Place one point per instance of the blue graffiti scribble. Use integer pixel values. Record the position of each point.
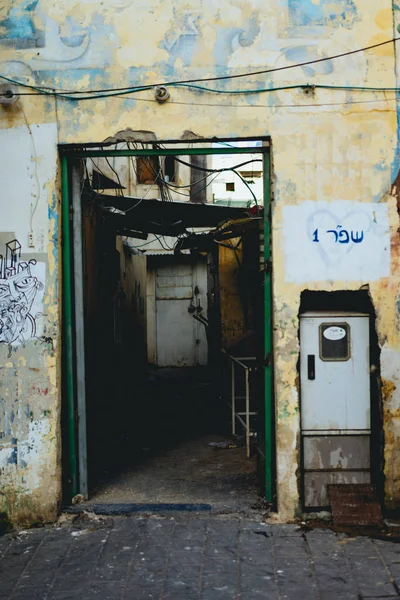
(306, 13)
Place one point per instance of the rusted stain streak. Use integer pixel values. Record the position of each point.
(395, 192)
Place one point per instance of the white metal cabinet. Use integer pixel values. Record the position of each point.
(335, 402)
(334, 372)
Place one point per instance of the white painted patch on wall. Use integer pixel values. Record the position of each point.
(340, 240)
(34, 452)
(27, 168)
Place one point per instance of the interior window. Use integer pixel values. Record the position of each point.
(147, 169)
(170, 168)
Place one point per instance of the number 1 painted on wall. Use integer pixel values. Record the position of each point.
(315, 236)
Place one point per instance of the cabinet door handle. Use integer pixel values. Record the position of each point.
(311, 366)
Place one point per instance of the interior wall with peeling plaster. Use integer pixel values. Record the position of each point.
(328, 146)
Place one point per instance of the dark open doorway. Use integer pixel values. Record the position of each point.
(150, 328)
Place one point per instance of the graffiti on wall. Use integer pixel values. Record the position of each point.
(336, 241)
(342, 236)
(18, 290)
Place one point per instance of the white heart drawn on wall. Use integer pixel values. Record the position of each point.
(334, 236)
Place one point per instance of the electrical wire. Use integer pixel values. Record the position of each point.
(143, 197)
(249, 188)
(35, 161)
(101, 93)
(270, 106)
(141, 245)
(208, 170)
(133, 90)
(168, 184)
(121, 191)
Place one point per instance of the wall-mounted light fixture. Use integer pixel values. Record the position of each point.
(8, 94)
(161, 94)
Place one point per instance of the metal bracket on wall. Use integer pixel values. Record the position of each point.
(268, 266)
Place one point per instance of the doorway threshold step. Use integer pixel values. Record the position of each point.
(127, 509)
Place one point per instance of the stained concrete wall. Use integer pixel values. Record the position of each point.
(133, 281)
(328, 145)
(29, 323)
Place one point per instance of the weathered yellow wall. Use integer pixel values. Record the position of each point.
(328, 145)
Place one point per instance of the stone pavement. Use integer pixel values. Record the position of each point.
(205, 557)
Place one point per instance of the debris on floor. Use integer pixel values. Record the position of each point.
(222, 445)
(86, 520)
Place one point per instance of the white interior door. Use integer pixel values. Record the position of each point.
(334, 372)
(180, 339)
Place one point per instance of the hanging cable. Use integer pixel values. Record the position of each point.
(270, 106)
(35, 162)
(208, 170)
(117, 175)
(101, 93)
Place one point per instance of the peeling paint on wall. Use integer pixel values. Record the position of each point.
(327, 145)
(29, 395)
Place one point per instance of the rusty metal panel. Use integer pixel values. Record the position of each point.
(337, 452)
(316, 482)
(355, 505)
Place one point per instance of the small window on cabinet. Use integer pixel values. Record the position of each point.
(334, 341)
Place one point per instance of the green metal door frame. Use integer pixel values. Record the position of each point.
(69, 376)
(69, 153)
(268, 347)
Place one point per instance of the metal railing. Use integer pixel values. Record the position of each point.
(240, 361)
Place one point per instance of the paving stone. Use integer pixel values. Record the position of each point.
(195, 558)
(66, 595)
(258, 587)
(30, 593)
(372, 577)
(291, 562)
(187, 557)
(221, 552)
(110, 573)
(105, 591)
(37, 577)
(181, 587)
(259, 595)
(217, 580)
(360, 547)
(220, 566)
(183, 571)
(142, 594)
(285, 530)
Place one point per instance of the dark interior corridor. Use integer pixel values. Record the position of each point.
(177, 450)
